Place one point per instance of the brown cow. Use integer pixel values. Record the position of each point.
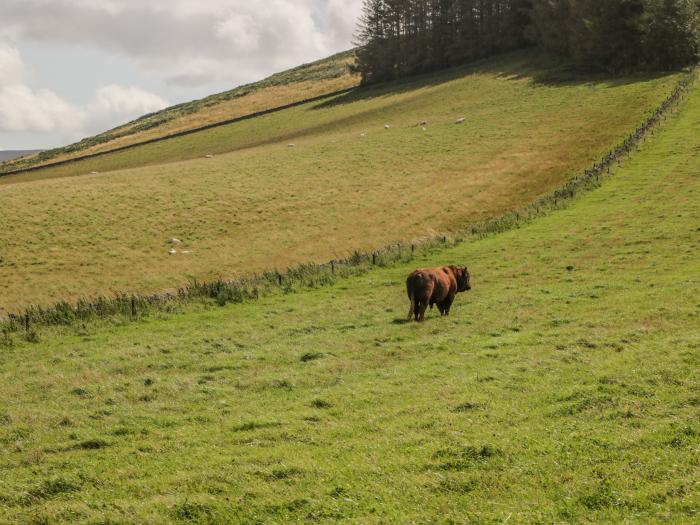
(436, 286)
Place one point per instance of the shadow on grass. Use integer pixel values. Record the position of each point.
(528, 64)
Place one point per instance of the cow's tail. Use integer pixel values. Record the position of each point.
(413, 306)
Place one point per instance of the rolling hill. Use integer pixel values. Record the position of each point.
(563, 388)
(304, 82)
(355, 171)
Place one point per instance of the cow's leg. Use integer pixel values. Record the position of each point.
(412, 309)
(421, 314)
(447, 304)
(421, 308)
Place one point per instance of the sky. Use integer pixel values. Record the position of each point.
(73, 68)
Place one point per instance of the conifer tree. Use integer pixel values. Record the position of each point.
(402, 37)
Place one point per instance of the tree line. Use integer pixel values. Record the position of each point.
(402, 37)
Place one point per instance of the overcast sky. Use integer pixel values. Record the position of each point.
(72, 68)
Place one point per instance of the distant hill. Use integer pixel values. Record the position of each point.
(304, 82)
(15, 154)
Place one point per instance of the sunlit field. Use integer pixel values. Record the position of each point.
(562, 389)
(312, 183)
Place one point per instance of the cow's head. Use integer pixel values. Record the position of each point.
(464, 279)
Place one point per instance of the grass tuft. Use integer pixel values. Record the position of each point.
(92, 444)
(255, 425)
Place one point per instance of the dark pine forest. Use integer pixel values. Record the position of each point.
(397, 38)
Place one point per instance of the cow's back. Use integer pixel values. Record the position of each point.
(420, 284)
(430, 284)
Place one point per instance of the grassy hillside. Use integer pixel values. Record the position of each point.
(563, 388)
(307, 81)
(348, 183)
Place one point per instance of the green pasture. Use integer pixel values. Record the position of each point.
(315, 182)
(563, 388)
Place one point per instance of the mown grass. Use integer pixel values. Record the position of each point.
(260, 205)
(303, 82)
(563, 388)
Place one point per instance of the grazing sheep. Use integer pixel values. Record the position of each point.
(209, 156)
(460, 120)
(174, 241)
(172, 251)
(386, 126)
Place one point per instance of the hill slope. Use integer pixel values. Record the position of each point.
(307, 81)
(348, 183)
(562, 389)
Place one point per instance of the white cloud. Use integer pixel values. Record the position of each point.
(241, 30)
(25, 109)
(185, 48)
(115, 105)
(12, 69)
(191, 41)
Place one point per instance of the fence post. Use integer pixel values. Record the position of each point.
(333, 267)
(374, 258)
(279, 278)
(133, 307)
(26, 322)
